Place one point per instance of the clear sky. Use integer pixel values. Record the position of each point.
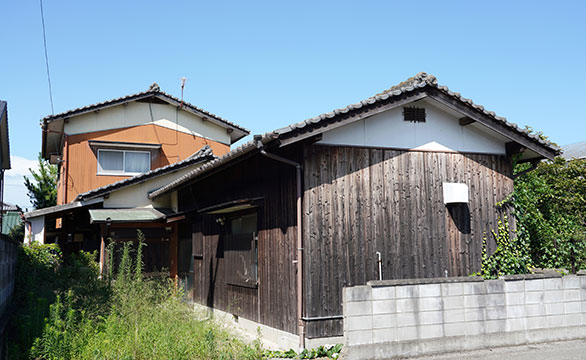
(264, 65)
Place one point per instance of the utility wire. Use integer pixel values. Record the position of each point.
(47, 58)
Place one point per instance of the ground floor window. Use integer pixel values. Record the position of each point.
(241, 250)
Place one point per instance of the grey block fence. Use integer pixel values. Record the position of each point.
(398, 318)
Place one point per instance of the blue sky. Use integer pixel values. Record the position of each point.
(264, 65)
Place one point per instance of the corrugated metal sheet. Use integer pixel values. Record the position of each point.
(126, 215)
(9, 221)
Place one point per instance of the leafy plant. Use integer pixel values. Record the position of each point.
(510, 257)
(42, 189)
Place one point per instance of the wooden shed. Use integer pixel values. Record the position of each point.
(274, 230)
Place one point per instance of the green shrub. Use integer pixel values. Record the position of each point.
(510, 257)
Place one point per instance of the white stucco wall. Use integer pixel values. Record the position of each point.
(36, 231)
(137, 195)
(138, 113)
(440, 132)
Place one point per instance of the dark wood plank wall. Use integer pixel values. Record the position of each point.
(274, 302)
(358, 201)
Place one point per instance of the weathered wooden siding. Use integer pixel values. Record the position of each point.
(358, 201)
(273, 303)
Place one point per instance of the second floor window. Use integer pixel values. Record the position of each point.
(123, 162)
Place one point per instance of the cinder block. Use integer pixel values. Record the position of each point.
(553, 296)
(534, 297)
(354, 323)
(515, 311)
(495, 326)
(495, 312)
(431, 331)
(430, 290)
(407, 333)
(535, 310)
(476, 314)
(514, 286)
(454, 316)
(358, 308)
(407, 291)
(357, 293)
(474, 288)
(552, 284)
(384, 307)
(475, 328)
(383, 293)
(573, 319)
(517, 324)
(406, 305)
(494, 286)
(537, 322)
(429, 304)
(452, 289)
(554, 308)
(406, 319)
(359, 337)
(384, 335)
(573, 307)
(473, 301)
(582, 282)
(495, 299)
(571, 282)
(384, 321)
(534, 285)
(456, 329)
(572, 295)
(555, 321)
(430, 317)
(453, 302)
(515, 298)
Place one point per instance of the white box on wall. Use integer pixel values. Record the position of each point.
(455, 193)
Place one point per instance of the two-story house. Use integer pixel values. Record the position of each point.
(119, 150)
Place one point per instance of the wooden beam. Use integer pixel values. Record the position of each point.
(362, 113)
(173, 251)
(491, 123)
(513, 148)
(465, 121)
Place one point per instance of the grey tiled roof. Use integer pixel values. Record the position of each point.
(239, 151)
(153, 90)
(408, 87)
(417, 82)
(575, 151)
(203, 154)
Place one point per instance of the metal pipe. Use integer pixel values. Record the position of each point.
(321, 318)
(380, 265)
(299, 261)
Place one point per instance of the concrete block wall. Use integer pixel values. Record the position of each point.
(416, 317)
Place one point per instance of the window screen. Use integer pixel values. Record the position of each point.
(111, 160)
(240, 251)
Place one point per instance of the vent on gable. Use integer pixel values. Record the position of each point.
(414, 114)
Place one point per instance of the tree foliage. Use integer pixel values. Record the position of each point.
(42, 189)
(549, 206)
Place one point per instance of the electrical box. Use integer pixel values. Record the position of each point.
(455, 193)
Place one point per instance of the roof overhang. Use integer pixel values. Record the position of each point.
(122, 145)
(5, 161)
(134, 215)
(60, 209)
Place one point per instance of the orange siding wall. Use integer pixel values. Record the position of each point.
(79, 167)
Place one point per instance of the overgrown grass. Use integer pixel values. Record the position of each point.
(122, 316)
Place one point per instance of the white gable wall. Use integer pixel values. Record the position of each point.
(140, 113)
(440, 132)
(137, 195)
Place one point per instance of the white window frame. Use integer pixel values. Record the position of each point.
(121, 173)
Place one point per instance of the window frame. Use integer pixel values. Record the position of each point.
(254, 247)
(100, 171)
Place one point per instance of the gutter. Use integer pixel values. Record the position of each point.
(299, 261)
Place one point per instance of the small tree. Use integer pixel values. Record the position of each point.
(42, 190)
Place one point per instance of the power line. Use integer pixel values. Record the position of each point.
(46, 57)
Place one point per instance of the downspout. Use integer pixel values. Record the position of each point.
(299, 261)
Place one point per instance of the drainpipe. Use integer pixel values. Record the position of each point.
(299, 261)
(380, 265)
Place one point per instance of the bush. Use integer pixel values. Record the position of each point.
(125, 316)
